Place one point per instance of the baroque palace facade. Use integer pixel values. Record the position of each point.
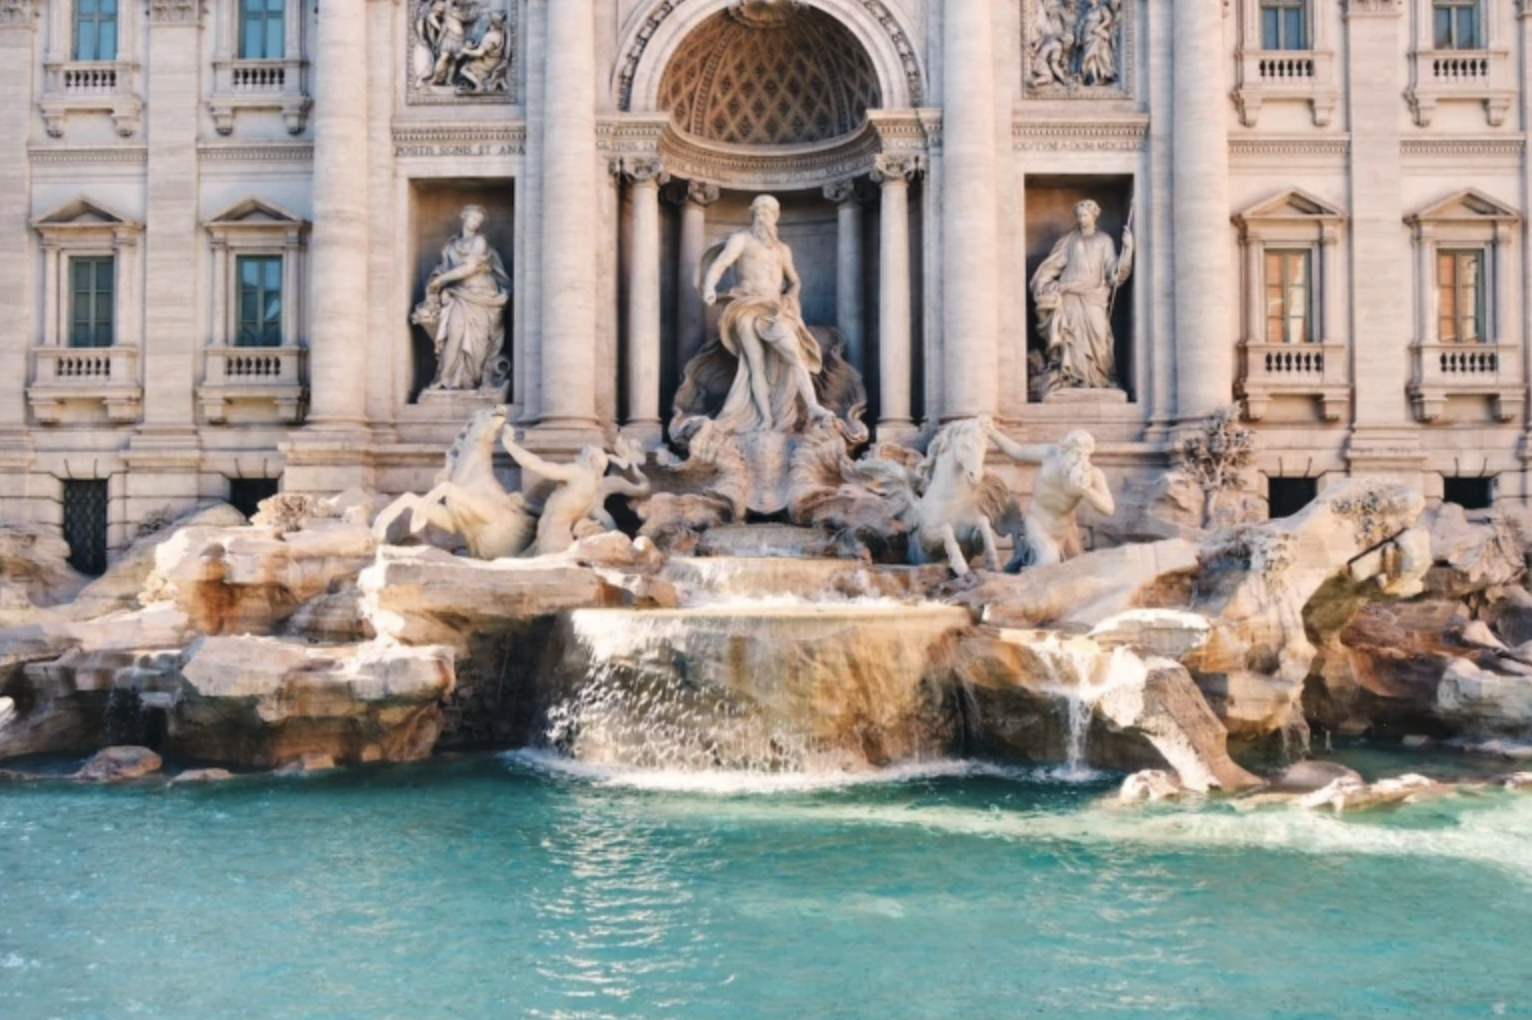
(221, 220)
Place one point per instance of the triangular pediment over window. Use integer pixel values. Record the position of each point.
(82, 212)
(253, 212)
(1467, 206)
(1289, 206)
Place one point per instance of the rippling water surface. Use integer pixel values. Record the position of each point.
(490, 888)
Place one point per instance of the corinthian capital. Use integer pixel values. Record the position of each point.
(644, 170)
(891, 167)
(841, 191)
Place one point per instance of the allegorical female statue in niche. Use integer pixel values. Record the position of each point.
(464, 309)
(1075, 289)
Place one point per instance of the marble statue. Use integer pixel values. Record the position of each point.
(945, 501)
(1053, 43)
(464, 310)
(468, 500)
(581, 491)
(763, 327)
(1098, 42)
(1075, 43)
(467, 48)
(566, 504)
(1075, 289)
(1067, 478)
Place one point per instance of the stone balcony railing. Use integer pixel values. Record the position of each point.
(1483, 76)
(259, 85)
(1467, 370)
(1294, 370)
(85, 86)
(67, 378)
(1304, 75)
(266, 380)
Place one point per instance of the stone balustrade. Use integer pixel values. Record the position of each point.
(266, 383)
(1444, 370)
(66, 379)
(1316, 370)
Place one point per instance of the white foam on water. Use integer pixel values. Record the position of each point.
(724, 783)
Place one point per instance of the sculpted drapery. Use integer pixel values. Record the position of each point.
(1074, 288)
(465, 308)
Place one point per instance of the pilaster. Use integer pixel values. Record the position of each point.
(171, 251)
(1383, 440)
(895, 335)
(645, 176)
(18, 58)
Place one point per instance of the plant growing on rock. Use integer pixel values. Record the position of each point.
(1217, 456)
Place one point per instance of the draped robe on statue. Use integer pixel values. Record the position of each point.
(776, 324)
(1074, 288)
(470, 332)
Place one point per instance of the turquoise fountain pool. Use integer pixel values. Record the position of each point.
(507, 887)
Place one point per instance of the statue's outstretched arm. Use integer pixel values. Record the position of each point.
(616, 485)
(1026, 454)
(532, 462)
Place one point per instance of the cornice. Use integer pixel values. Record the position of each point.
(1283, 146)
(276, 153)
(1458, 148)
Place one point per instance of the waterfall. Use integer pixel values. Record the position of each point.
(1080, 715)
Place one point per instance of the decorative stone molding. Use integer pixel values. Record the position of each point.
(1373, 8)
(1319, 368)
(1491, 368)
(69, 385)
(1285, 75)
(1080, 136)
(18, 14)
(840, 191)
(73, 88)
(643, 170)
(255, 153)
(477, 61)
(896, 167)
(126, 155)
(175, 12)
(1080, 50)
(899, 54)
(255, 384)
(699, 193)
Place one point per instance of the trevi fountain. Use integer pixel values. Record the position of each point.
(966, 656)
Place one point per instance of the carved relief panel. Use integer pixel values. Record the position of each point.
(461, 51)
(1077, 49)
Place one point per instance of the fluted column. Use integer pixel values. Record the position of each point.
(970, 237)
(338, 272)
(643, 350)
(1200, 200)
(569, 221)
(691, 314)
(895, 422)
(848, 269)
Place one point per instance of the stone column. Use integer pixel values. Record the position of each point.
(970, 235)
(339, 270)
(895, 422)
(691, 313)
(1200, 176)
(643, 350)
(19, 43)
(569, 226)
(848, 269)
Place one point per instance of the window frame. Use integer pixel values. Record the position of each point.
(1458, 255)
(1285, 254)
(1298, 74)
(1454, 8)
(262, 323)
(95, 322)
(246, 17)
(96, 19)
(1280, 8)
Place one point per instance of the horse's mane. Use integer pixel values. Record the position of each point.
(946, 443)
(455, 451)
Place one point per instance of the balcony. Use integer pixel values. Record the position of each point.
(254, 385)
(1287, 75)
(259, 85)
(1467, 370)
(1294, 370)
(91, 87)
(1482, 76)
(67, 380)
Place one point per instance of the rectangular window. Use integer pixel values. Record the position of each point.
(247, 494)
(1457, 24)
(1284, 24)
(1460, 296)
(1288, 294)
(85, 524)
(91, 283)
(1287, 496)
(260, 29)
(95, 29)
(1469, 493)
(260, 301)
